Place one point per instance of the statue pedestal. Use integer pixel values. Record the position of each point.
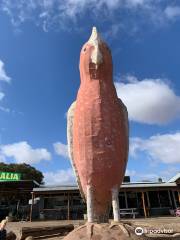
(124, 231)
(103, 231)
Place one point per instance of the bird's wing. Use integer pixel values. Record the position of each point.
(126, 126)
(70, 120)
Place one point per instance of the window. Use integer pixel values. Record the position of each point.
(153, 198)
(122, 202)
(132, 199)
(164, 199)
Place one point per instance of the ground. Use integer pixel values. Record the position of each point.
(150, 223)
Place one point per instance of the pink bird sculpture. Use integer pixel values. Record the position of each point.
(97, 132)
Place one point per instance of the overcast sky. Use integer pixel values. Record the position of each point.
(40, 43)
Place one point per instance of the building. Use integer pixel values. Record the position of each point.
(14, 198)
(145, 198)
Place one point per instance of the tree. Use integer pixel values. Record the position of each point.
(27, 171)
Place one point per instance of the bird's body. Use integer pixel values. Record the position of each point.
(100, 129)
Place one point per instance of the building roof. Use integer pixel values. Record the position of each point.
(123, 186)
(148, 185)
(55, 188)
(175, 178)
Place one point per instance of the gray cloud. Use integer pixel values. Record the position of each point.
(160, 148)
(61, 14)
(61, 149)
(152, 174)
(150, 101)
(5, 78)
(60, 177)
(172, 12)
(22, 152)
(3, 74)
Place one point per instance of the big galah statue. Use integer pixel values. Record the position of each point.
(97, 132)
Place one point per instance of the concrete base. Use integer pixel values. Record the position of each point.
(120, 231)
(93, 231)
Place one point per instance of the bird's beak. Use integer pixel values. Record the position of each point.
(95, 40)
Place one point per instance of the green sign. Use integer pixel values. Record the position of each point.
(10, 176)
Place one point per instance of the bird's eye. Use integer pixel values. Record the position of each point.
(84, 49)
